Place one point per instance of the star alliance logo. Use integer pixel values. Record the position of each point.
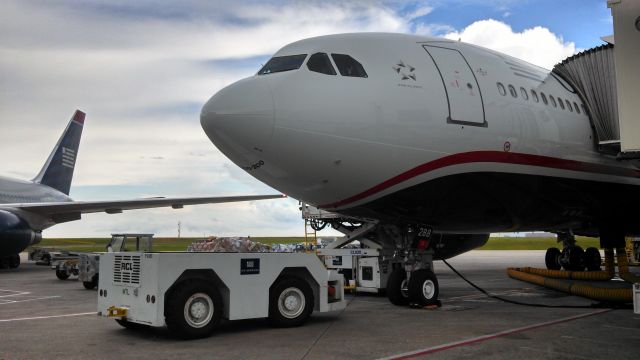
(405, 71)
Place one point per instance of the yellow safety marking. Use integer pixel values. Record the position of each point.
(115, 311)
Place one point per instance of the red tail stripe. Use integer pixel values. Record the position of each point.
(79, 117)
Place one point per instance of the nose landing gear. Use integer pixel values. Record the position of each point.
(413, 282)
(572, 257)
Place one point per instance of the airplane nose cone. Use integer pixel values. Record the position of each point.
(239, 119)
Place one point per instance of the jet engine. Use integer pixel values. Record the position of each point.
(15, 234)
(446, 246)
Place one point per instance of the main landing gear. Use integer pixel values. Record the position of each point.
(572, 257)
(10, 262)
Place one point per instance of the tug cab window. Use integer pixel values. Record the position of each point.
(348, 66)
(282, 63)
(320, 63)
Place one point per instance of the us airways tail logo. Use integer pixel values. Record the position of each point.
(406, 71)
(68, 157)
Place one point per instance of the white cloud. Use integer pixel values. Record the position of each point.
(433, 29)
(141, 70)
(537, 45)
(418, 12)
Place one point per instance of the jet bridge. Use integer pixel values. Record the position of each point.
(607, 79)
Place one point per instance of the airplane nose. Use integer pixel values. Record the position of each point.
(239, 119)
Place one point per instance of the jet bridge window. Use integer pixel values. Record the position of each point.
(348, 66)
(282, 63)
(320, 63)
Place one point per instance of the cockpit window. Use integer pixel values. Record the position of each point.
(348, 66)
(282, 63)
(319, 62)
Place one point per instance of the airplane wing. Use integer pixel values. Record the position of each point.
(51, 209)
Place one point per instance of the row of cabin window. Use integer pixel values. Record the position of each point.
(534, 95)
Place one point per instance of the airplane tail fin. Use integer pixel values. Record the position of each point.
(57, 172)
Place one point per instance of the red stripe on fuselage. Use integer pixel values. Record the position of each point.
(494, 157)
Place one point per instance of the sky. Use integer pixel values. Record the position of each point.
(141, 70)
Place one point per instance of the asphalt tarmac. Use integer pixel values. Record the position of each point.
(42, 317)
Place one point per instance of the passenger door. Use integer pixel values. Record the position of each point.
(460, 85)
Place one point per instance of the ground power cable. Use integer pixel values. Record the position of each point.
(593, 305)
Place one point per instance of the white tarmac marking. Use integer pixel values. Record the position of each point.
(557, 354)
(477, 296)
(48, 317)
(13, 293)
(4, 302)
(621, 327)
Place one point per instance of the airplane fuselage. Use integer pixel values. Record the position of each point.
(25, 192)
(438, 132)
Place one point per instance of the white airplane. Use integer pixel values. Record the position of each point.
(412, 135)
(28, 207)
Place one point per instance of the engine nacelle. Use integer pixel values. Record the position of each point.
(15, 234)
(446, 246)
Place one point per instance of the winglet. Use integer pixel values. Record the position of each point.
(57, 172)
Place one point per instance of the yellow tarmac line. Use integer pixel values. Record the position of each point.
(48, 317)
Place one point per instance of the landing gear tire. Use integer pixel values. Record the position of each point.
(130, 325)
(423, 288)
(14, 261)
(62, 274)
(290, 302)
(4, 262)
(193, 309)
(592, 259)
(397, 287)
(575, 258)
(552, 258)
(90, 285)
